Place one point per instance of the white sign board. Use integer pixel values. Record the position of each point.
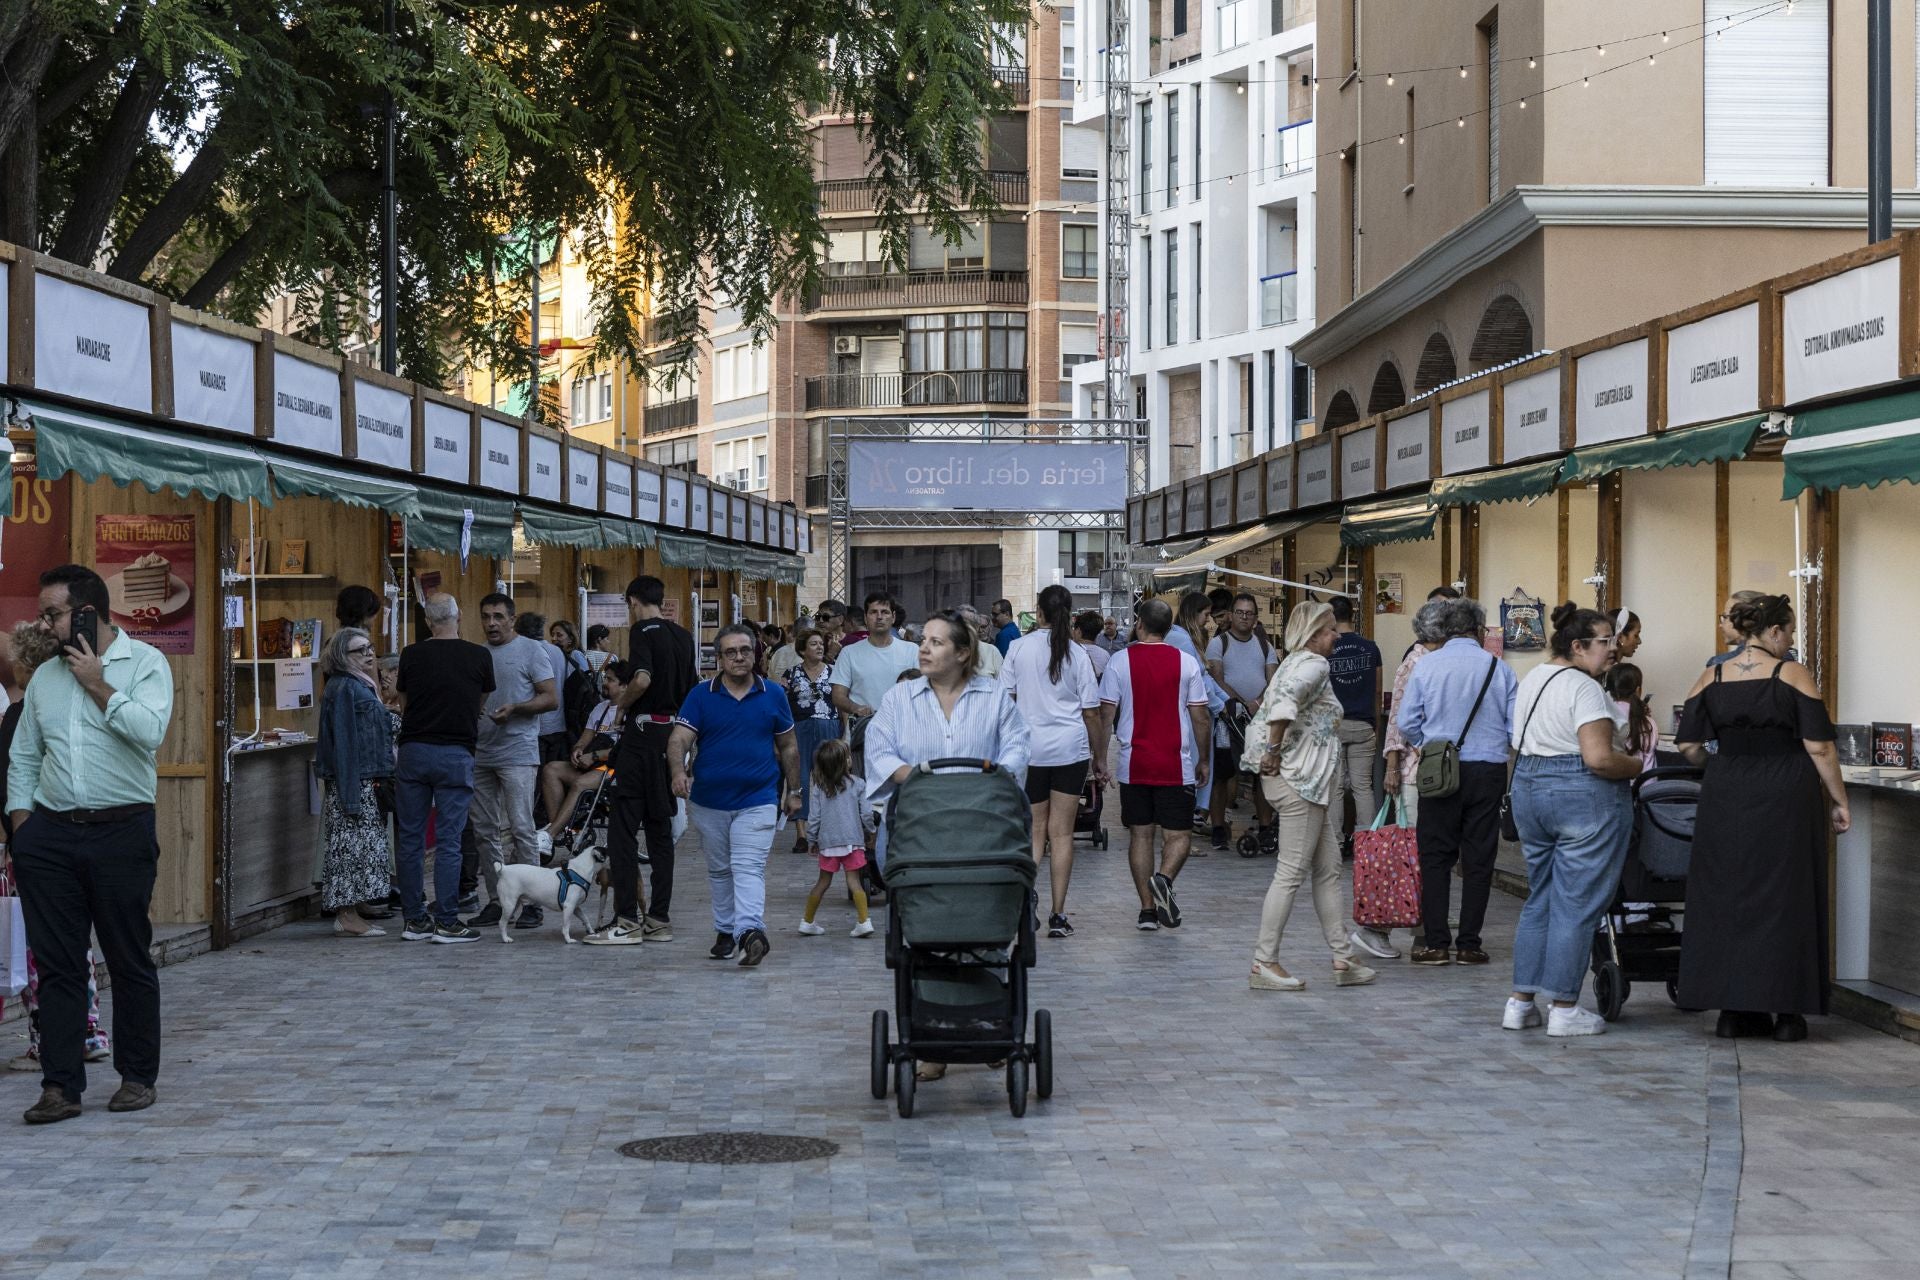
(1842, 333)
(383, 425)
(543, 469)
(717, 505)
(306, 404)
(737, 518)
(806, 536)
(697, 508)
(1713, 367)
(1360, 464)
(1408, 442)
(1315, 482)
(499, 455)
(646, 495)
(449, 443)
(673, 511)
(1612, 399)
(212, 378)
(1530, 418)
(1279, 484)
(789, 532)
(616, 488)
(1466, 434)
(583, 477)
(606, 609)
(91, 345)
(757, 524)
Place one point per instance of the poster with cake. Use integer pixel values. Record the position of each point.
(147, 562)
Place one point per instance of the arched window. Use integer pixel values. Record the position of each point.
(1436, 365)
(1388, 391)
(1340, 411)
(1505, 334)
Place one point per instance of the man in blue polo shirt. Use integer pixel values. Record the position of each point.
(742, 729)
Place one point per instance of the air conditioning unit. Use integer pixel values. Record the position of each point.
(846, 346)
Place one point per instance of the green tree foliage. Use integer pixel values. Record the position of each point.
(224, 152)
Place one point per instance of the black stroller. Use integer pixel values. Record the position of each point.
(1655, 874)
(1086, 818)
(587, 824)
(960, 931)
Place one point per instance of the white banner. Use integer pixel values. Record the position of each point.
(737, 518)
(1611, 403)
(383, 425)
(673, 510)
(616, 487)
(499, 455)
(1279, 484)
(789, 534)
(543, 468)
(1530, 417)
(717, 512)
(646, 495)
(757, 524)
(1408, 439)
(91, 345)
(1315, 483)
(449, 444)
(1360, 464)
(306, 404)
(583, 477)
(212, 379)
(697, 507)
(1843, 333)
(1466, 440)
(1713, 367)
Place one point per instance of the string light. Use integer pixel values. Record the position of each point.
(1389, 77)
(1523, 104)
(1585, 83)
(1403, 139)
(1601, 49)
(1663, 37)
(1462, 122)
(1240, 88)
(1649, 59)
(1531, 64)
(1463, 73)
(728, 51)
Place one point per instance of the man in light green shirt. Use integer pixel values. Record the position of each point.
(82, 778)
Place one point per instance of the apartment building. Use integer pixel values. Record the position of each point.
(1514, 177)
(1222, 153)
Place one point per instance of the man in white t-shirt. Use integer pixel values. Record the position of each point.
(1242, 662)
(868, 668)
(1062, 710)
(990, 659)
(1155, 698)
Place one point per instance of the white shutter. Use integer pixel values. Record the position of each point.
(1766, 95)
(1080, 150)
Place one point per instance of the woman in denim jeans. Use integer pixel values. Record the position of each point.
(1571, 804)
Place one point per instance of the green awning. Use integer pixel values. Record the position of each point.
(1684, 447)
(442, 512)
(620, 532)
(1858, 445)
(296, 479)
(551, 527)
(1508, 484)
(681, 552)
(70, 441)
(1375, 523)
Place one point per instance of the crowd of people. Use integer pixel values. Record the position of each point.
(480, 756)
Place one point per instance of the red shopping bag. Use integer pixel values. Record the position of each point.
(1386, 874)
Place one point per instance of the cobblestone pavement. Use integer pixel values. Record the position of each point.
(335, 1108)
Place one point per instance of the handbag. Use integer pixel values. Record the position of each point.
(1508, 827)
(1386, 872)
(13, 940)
(1438, 775)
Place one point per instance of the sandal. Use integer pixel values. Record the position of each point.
(927, 1071)
(1263, 978)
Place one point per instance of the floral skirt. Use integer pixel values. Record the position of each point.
(358, 860)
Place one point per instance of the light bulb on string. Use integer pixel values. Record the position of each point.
(1532, 63)
(1463, 73)
(1240, 88)
(728, 51)
(1403, 139)
(1585, 83)
(1389, 77)
(1649, 59)
(1523, 104)
(1462, 122)
(1663, 37)
(1601, 50)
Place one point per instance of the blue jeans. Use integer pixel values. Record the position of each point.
(1574, 828)
(736, 843)
(810, 732)
(431, 776)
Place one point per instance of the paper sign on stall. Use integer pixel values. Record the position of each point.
(608, 610)
(293, 685)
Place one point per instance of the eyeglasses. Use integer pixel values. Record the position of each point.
(355, 650)
(737, 652)
(51, 616)
(1246, 613)
(1608, 641)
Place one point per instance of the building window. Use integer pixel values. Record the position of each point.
(972, 340)
(1179, 17)
(1173, 285)
(1766, 94)
(683, 453)
(1145, 136)
(1080, 148)
(1086, 553)
(1146, 294)
(1301, 401)
(742, 463)
(590, 399)
(1199, 277)
(1273, 396)
(739, 371)
(1199, 148)
(1173, 149)
(1491, 35)
(1069, 50)
(1235, 22)
(1079, 343)
(1079, 254)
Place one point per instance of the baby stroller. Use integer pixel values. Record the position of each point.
(1658, 852)
(960, 931)
(1086, 819)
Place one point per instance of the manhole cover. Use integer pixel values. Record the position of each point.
(730, 1148)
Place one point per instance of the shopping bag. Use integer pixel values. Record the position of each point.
(13, 947)
(1386, 873)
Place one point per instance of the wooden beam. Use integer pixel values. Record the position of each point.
(1608, 594)
(1363, 607)
(1822, 638)
(1563, 501)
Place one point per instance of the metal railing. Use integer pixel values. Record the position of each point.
(1013, 80)
(672, 416)
(1279, 298)
(892, 289)
(931, 387)
(1296, 147)
(856, 195)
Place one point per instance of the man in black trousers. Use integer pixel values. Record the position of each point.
(83, 775)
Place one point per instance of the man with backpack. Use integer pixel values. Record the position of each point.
(1240, 661)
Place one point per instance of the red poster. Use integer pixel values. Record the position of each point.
(148, 564)
(35, 540)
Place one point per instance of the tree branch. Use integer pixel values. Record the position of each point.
(181, 201)
(227, 265)
(101, 183)
(26, 66)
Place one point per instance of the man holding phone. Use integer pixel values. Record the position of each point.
(84, 848)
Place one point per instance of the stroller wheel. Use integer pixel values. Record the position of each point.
(1042, 1054)
(1247, 846)
(903, 1087)
(1100, 838)
(1610, 988)
(1017, 1085)
(880, 1055)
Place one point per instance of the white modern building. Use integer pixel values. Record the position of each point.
(1222, 165)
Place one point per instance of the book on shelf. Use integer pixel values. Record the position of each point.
(252, 553)
(273, 638)
(308, 634)
(1892, 745)
(293, 555)
(1854, 742)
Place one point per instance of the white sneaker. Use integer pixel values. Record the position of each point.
(811, 929)
(863, 930)
(621, 933)
(542, 843)
(1575, 1022)
(1520, 1015)
(1374, 942)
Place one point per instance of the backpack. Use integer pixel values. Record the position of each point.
(578, 697)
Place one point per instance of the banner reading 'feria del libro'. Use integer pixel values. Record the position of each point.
(986, 475)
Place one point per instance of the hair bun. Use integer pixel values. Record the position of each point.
(1563, 614)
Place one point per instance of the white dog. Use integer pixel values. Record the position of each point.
(550, 888)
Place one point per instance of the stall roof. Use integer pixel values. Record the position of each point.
(70, 440)
(551, 527)
(293, 478)
(1207, 555)
(1857, 445)
(1508, 484)
(443, 513)
(1372, 524)
(1685, 447)
(618, 532)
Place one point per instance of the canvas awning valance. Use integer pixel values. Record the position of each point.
(296, 478)
(1686, 447)
(92, 447)
(1854, 446)
(443, 512)
(551, 527)
(1377, 523)
(1508, 484)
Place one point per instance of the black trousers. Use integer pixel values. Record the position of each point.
(642, 802)
(76, 878)
(1464, 828)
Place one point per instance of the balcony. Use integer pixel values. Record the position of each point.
(1279, 298)
(856, 195)
(675, 415)
(893, 290)
(917, 390)
(1296, 147)
(1014, 81)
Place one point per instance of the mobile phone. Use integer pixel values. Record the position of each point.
(86, 623)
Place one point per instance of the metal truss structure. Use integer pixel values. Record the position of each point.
(844, 520)
(1118, 220)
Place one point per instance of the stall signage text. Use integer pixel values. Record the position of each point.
(1359, 464)
(646, 495)
(1530, 423)
(1713, 367)
(1842, 333)
(1315, 484)
(449, 441)
(1407, 441)
(212, 379)
(616, 488)
(1279, 484)
(950, 475)
(1466, 434)
(91, 345)
(757, 523)
(499, 456)
(543, 468)
(583, 479)
(1612, 384)
(675, 514)
(382, 425)
(737, 519)
(1247, 499)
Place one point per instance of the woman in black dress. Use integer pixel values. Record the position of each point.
(1756, 925)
